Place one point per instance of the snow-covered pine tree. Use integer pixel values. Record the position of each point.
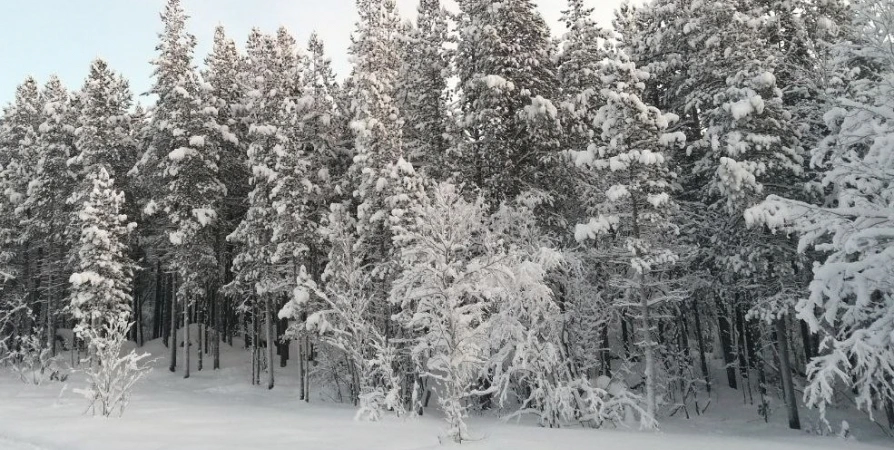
(716, 65)
(751, 148)
(223, 98)
(105, 136)
(100, 295)
(582, 48)
(272, 75)
(849, 298)
(385, 184)
(337, 310)
(45, 220)
(191, 188)
(423, 85)
(636, 214)
(19, 140)
(101, 283)
(507, 81)
(309, 180)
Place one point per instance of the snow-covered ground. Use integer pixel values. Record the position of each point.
(221, 410)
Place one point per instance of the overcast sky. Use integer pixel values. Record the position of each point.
(42, 37)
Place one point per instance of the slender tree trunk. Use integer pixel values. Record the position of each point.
(625, 336)
(134, 331)
(648, 342)
(301, 375)
(185, 338)
(606, 352)
(742, 350)
(173, 311)
(268, 312)
(51, 329)
(700, 338)
(159, 303)
(282, 343)
(807, 343)
(255, 346)
(889, 412)
(726, 343)
(254, 353)
(794, 422)
(200, 317)
(215, 346)
(309, 348)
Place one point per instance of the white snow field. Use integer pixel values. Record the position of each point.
(222, 410)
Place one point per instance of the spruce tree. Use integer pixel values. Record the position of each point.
(507, 82)
(423, 88)
(101, 283)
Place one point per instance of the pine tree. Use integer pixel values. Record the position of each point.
(423, 88)
(274, 74)
(186, 166)
(46, 221)
(848, 297)
(101, 284)
(507, 82)
(637, 210)
(223, 100)
(583, 47)
(385, 185)
(19, 145)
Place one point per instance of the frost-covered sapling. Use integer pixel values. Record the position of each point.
(111, 374)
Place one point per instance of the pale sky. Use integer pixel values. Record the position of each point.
(42, 37)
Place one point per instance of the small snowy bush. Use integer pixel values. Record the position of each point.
(112, 375)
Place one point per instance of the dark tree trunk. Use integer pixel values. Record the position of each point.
(159, 304)
(699, 336)
(172, 293)
(200, 330)
(742, 350)
(215, 346)
(625, 336)
(889, 412)
(282, 344)
(606, 353)
(785, 373)
(186, 311)
(726, 343)
(271, 339)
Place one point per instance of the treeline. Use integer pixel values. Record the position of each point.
(578, 229)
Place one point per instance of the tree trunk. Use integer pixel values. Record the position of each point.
(785, 370)
(889, 411)
(268, 312)
(215, 343)
(135, 314)
(185, 338)
(157, 310)
(625, 336)
(51, 329)
(699, 336)
(282, 343)
(742, 350)
(252, 336)
(807, 343)
(173, 311)
(301, 374)
(309, 350)
(648, 342)
(726, 344)
(200, 348)
(606, 353)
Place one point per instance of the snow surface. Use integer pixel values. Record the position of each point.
(221, 410)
